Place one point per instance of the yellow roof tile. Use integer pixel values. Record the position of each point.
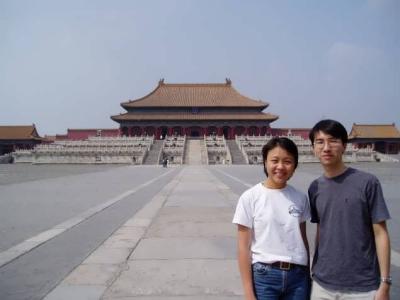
(374, 131)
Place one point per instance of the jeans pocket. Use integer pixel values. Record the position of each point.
(260, 269)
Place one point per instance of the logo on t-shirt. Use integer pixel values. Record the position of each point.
(294, 211)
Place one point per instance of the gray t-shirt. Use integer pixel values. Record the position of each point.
(345, 207)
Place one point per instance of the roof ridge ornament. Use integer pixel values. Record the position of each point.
(228, 81)
(161, 81)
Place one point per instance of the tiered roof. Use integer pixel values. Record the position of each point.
(195, 95)
(189, 95)
(374, 131)
(197, 117)
(19, 132)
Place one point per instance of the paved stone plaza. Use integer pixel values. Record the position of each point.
(136, 232)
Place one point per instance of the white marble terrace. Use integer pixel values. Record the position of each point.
(95, 150)
(251, 147)
(217, 150)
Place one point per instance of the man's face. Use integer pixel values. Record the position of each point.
(328, 149)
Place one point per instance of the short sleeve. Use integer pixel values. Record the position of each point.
(376, 202)
(306, 210)
(244, 213)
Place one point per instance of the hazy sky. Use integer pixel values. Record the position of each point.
(69, 64)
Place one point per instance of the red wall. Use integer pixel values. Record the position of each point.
(303, 132)
(83, 134)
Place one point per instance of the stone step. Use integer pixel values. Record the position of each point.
(237, 155)
(152, 157)
(193, 152)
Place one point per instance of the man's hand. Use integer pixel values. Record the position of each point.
(383, 292)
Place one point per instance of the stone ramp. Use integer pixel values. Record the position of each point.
(181, 245)
(153, 155)
(193, 153)
(236, 154)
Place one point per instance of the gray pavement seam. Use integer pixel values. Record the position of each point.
(177, 257)
(20, 249)
(234, 178)
(109, 259)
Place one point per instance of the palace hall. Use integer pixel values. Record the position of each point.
(195, 110)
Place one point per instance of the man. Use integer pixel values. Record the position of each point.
(352, 254)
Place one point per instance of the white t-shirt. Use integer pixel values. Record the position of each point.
(274, 216)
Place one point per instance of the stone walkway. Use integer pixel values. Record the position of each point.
(181, 245)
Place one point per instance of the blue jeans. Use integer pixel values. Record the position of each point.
(275, 284)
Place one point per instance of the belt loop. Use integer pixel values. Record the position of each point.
(284, 265)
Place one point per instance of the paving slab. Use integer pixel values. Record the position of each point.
(93, 274)
(105, 255)
(167, 278)
(192, 222)
(76, 292)
(194, 214)
(181, 245)
(90, 279)
(189, 250)
(125, 236)
(185, 248)
(205, 200)
(191, 229)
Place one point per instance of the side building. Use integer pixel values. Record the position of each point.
(18, 137)
(383, 138)
(194, 110)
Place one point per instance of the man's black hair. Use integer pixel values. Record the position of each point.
(284, 143)
(331, 127)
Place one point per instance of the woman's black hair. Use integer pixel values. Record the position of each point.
(331, 127)
(283, 142)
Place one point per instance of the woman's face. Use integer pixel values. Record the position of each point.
(280, 166)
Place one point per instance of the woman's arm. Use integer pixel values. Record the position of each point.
(244, 259)
(303, 230)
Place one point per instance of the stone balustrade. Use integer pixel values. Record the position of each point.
(251, 147)
(217, 150)
(174, 149)
(126, 150)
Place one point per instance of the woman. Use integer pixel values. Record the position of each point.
(272, 244)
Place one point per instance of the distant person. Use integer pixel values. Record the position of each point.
(271, 217)
(352, 255)
(165, 162)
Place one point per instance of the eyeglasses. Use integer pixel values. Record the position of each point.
(332, 143)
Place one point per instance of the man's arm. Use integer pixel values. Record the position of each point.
(382, 243)
(244, 259)
(303, 230)
(317, 237)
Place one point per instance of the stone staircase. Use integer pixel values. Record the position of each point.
(193, 152)
(152, 157)
(204, 153)
(237, 155)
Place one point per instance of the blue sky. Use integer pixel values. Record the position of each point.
(69, 64)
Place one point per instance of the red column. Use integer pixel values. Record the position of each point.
(158, 133)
